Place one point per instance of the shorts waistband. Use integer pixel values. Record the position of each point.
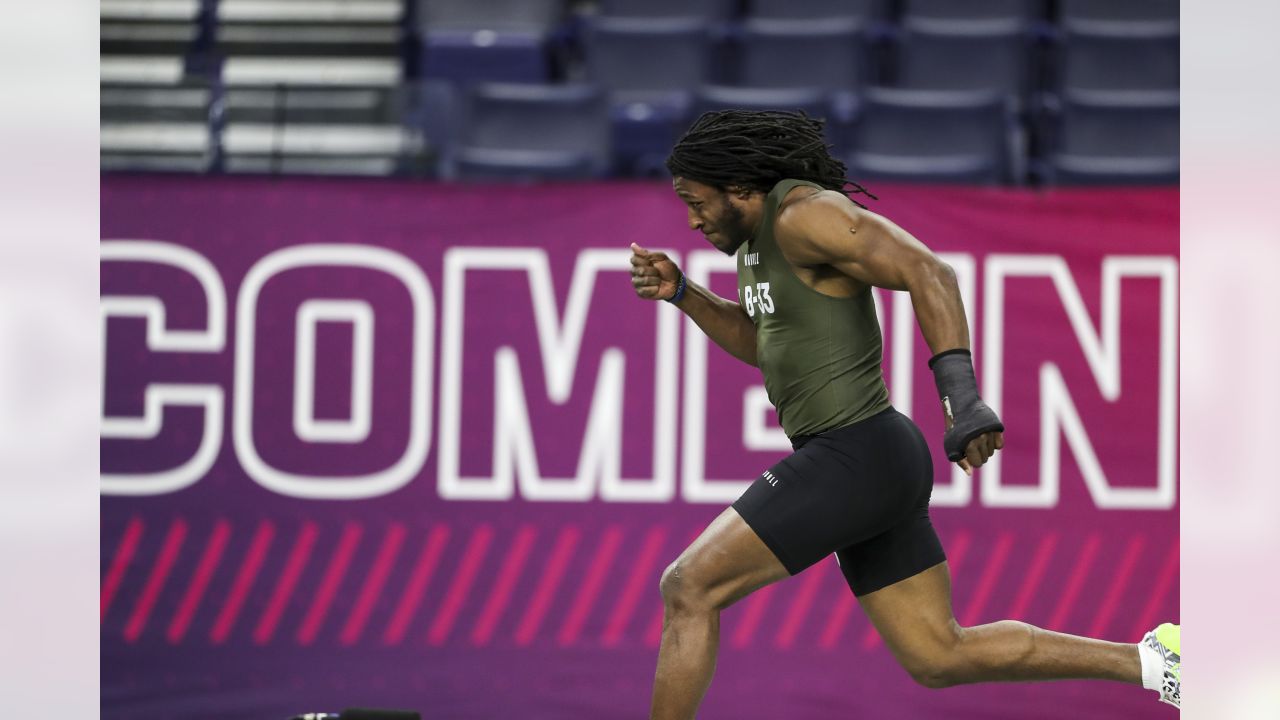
(800, 441)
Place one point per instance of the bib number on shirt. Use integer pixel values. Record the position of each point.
(757, 297)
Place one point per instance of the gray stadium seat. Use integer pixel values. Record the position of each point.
(944, 55)
(826, 53)
(810, 9)
(702, 9)
(812, 101)
(550, 131)
(934, 136)
(1023, 10)
(1116, 137)
(650, 67)
(1101, 55)
(1118, 10)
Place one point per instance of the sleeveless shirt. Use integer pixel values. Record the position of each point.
(820, 355)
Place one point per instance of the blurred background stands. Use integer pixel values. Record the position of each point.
(981, 91)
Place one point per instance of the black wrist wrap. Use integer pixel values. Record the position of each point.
(958, 390)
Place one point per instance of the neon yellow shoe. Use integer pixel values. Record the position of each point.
(1161, 654)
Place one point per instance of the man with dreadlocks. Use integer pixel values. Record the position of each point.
(762, 186)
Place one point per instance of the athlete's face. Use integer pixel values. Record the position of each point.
(727, 218)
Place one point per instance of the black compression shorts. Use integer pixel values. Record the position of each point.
(861, 492)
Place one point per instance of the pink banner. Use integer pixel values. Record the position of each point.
(374, 443)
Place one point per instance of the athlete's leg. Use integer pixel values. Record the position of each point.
(724, 564)
(915, 620)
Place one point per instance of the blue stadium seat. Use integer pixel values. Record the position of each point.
(802, 9)
(468, 56)
(1101, 55)
(937, 136)
(822, 53)
(549, 131)
(1022, 10)
(978, 55)
(704, 9)
(1116, 138)
(650, 67)
(647, 56)
(1118, 10)
(539, 16)
(493, 41)
(811, 101)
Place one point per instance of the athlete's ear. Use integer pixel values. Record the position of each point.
(741, 192)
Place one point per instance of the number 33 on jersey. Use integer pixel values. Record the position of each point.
(757, 298)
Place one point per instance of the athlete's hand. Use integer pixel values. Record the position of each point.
(653, 274)
(979, 450)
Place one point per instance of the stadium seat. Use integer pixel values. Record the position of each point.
(647, 57)
(958, 10)
(811, 101)
(532, 131)
(825, 53)
(1101, 55)
(811, 9)
(538, 16)
(710, 10)
(978, 55)
(650, 67)
(496, 41)
(1115, 137)
(470, 56)
(935, 136)
(1126, 10)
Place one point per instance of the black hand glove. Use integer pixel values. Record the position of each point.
(958, 390)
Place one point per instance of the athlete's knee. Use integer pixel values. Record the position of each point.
(680, 593)
(941, 664)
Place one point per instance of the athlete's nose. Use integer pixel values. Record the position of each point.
(695, 222)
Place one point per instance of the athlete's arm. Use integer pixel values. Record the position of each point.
(656, 277)
(827, 229)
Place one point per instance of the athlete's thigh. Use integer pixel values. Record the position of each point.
(914, 615)
(728, 561)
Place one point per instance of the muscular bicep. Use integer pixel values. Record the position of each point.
(858, 243)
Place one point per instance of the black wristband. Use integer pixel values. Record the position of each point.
(953, 351)
(680, 286)
(958, 390)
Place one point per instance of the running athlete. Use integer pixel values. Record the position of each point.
(762, 186)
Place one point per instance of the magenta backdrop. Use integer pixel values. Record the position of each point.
(419, 522)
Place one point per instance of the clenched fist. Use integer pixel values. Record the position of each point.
(653, 274)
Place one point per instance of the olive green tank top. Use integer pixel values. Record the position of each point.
(820, 355)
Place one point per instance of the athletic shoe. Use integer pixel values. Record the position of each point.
(1161, 653)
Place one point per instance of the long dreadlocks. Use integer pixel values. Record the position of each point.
(757, 149)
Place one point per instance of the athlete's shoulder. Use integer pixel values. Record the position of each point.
(805, 205)
(809, 217)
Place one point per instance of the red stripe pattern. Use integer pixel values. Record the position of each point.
(547, 586)
(200, 581)
(511, 570)
(249, 567)
(120, 563)
(293, 568)
(578, 586)
(472, 557)
(432, 550)
(371, 590)
(169, 549)
(337, 569)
